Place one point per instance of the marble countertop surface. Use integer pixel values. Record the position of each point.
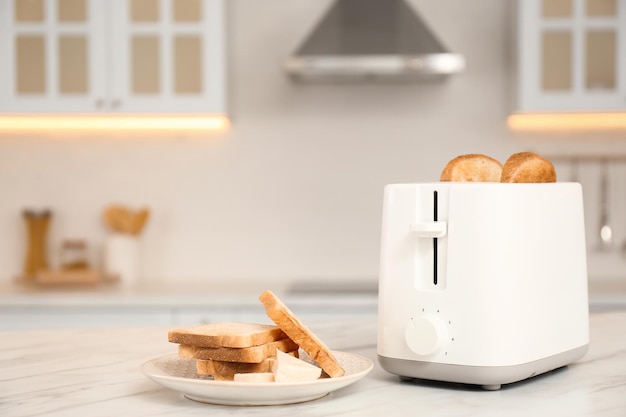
(95, 372)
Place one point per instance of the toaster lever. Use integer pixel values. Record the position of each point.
(430, 229)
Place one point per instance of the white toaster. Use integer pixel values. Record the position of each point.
(482, 283)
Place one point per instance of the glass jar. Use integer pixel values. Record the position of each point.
(74, 254)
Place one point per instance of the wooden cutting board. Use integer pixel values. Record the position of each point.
(76, 276)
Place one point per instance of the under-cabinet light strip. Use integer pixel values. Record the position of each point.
(566, 121)
(112, 123)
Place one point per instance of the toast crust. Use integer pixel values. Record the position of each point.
(526, 167)
(299, 333)
(225, 371)
(253, 354)
(472, 168)
(227, 334)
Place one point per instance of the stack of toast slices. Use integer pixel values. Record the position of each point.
(233, 351)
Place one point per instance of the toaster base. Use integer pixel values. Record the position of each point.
(489, 377)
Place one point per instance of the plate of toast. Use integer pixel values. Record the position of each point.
(180, 374)
(232, 363)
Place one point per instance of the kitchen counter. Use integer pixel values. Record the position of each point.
(214, 294)
(95, 372)
(602, 295)
(32, 307)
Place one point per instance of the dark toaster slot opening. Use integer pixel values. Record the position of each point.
(435, 218)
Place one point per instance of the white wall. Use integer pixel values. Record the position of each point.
(293, 190)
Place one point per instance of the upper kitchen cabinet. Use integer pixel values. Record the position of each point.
(572, 55)
(128, 56)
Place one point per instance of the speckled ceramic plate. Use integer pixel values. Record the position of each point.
(180, 375)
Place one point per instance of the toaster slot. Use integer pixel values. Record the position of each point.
(435, 239)
(429, 239)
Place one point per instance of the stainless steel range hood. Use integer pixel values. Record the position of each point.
(372, 40)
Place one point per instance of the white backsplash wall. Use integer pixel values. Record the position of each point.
(294, 189)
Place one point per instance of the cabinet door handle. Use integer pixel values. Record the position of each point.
(99, 103)
(116, 104)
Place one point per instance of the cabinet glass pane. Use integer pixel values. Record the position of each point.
(557, 8)
(144, 10)
(601, 8)
(600, 54)
(71, 11)
(73, 64)
(556, 61)
(187, 10)
(145, 65)
(28, 10)
(187, 64)
(30, 64)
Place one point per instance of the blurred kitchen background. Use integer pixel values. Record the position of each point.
(287, 188)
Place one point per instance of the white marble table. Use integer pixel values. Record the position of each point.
(95, 372)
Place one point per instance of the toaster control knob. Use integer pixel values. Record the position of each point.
(425, 334)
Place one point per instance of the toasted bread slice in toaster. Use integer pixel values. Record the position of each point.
(472, 168)
(528, 167)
